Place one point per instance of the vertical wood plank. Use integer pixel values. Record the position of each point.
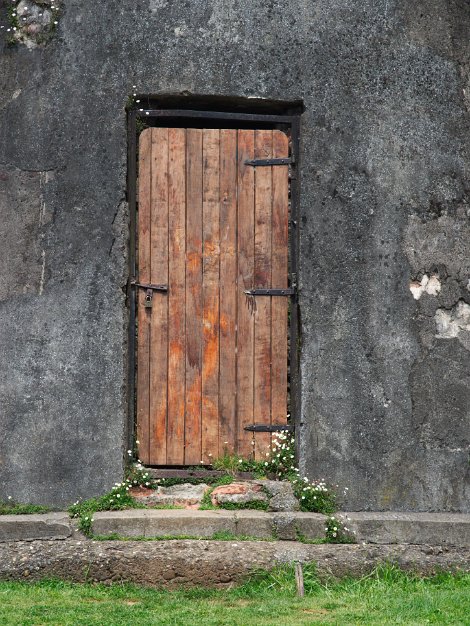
(280, 267)
(143, 314)
(176, 294)
(262, 345)
(245, 323)
(228, 293)
(193, 438)
(159, 316)
(210, 288)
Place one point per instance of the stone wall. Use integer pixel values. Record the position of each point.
(385, 219)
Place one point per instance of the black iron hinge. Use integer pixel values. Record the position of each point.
(283, 161)
(288, 291)
(269, 428)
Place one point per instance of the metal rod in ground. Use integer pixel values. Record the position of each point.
(299, 580)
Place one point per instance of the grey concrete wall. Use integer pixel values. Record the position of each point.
(385, 155)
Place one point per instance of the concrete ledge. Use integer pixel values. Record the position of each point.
(452, 529)
(30, 527)
(440, 529)
(209, 563)
(189, 523)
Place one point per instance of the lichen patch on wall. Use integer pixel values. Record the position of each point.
(33, 23)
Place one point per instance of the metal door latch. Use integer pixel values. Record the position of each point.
(150, 288)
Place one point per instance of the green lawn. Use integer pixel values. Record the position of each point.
(385, 597)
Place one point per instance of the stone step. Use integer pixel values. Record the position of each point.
(410, 528)
(186, 523)
(209, 563)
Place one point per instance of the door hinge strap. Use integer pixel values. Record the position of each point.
(288, 291)
(269, 428)
(149, 286)
(283, 161)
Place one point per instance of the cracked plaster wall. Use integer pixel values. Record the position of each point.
(385, 156)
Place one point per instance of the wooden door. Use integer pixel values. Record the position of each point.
(211, 360)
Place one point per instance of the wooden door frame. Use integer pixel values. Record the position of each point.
(155, 116)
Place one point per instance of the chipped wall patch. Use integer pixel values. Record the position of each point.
(430, 285)
(454, 323)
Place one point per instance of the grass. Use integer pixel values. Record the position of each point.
(387, 596)
(218, 536)
(232, 463)
(7, 508)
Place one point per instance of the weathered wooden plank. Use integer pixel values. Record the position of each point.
(228, 292)
(262, 342)
(280, 268)
(210, 288)
(176, 295)
(159, 316)
(193, 438)
(143, 314)
(245, 323)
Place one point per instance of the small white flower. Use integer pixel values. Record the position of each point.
(240, 460)
(9, 497)
(266, 463)
(118, 495)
